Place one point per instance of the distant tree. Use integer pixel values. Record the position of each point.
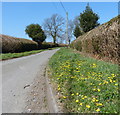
(88, 19)
(76, 21)
(77, 31)
(35, 32)
(53, 26)
(70, 30)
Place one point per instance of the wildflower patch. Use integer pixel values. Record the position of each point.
(86, 85)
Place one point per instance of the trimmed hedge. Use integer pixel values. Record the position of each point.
(10, 44)
(46, 45)
(102, 41)
(15, 45)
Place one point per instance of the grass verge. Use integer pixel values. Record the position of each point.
(85, 85)
(6, 56)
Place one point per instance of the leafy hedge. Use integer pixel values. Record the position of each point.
(10, 44)
(14, 45)
(102, 41)
(46, 45)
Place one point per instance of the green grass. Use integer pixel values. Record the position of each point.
(6, 56)
(86, 85)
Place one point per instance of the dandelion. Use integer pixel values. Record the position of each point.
(99, 83)
(99, 104)
(98, 109)
(110, 80)
(113, 75)
(58, 88)
(72, 94)
(96, 100)
(77, 93)
(98, 89)
(88, 106)
(77, 101)
(81, 104)
(85, 96)
(116, 84)
(64, 97)
(94, 65)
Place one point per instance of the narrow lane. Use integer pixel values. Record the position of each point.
(18, 76)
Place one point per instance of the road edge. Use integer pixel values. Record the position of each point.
(52, 103)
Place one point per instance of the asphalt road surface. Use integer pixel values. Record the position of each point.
(23, 84)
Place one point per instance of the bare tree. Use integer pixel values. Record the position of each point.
(53, 26)
(70, 30)
(76, 21)
(70, 33)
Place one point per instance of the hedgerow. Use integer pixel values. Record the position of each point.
(15, 45)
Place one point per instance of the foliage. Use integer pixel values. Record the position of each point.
(85, 85)
(103, 41)
(88, 19)
(46, 45)
(35, 32)
(53, 26)
(77, 31)
(12, 44)
(16, 55)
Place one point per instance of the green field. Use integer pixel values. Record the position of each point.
(86, 85)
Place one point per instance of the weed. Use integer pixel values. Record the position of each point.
(86, 85)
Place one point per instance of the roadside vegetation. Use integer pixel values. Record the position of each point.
(101, 41)
(11, 44)
(16, 55)
(84, 85)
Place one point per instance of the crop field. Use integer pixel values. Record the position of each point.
(85, 85)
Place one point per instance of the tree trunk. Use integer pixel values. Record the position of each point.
(54, 40)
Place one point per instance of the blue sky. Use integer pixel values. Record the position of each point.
(17, 15)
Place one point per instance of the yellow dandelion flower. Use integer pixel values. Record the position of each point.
(98, 109)
(110, 80)
(98, 89)
(58, 88)
(94, 64)
(99, 83)
(64, 97)
(81, 104)
(72, 94)
(96, 100)
(85, 96)
(99, 104)
(77, 93)
(116, 84)
(88, 106)
(77, 101)
(113, 75)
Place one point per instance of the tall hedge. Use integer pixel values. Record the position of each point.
(14, 45)
(103, 40)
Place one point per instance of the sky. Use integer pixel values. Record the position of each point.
(17, 15)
